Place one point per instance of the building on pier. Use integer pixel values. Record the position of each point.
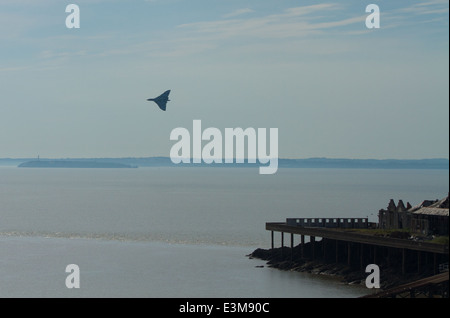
(431, 217)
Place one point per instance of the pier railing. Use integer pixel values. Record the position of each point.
(346, 223)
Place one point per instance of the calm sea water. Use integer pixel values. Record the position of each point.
(178, 232)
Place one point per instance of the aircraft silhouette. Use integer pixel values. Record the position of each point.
(161, 100)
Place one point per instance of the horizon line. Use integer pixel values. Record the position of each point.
(234, 158)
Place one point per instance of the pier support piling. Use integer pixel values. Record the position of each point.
(361, 256)
(403, 261)
(302, 246)
(349, 254)
(337, 251)
(435, 269)
(271, 237)
(313, 247)
(419, 259)
(374, 254)
(292, 246)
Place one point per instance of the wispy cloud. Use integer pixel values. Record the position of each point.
(238, 12)
(247, 30)
(433, 2)
(427, 8)
(417, 15)
(13, 69)
(293, 22)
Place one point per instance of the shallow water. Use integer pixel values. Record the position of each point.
(175, 232)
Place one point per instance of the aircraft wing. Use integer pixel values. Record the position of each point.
(165, 95)
(161, 100)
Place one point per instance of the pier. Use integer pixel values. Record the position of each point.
(350, 240)
(409, 244)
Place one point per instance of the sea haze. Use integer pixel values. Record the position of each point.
(130, 230)
(282, 163)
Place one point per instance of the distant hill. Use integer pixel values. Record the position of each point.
(72, 164)
(282, 163)
(365, 163)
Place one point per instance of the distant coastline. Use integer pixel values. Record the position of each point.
(133, 162)
(72, 164)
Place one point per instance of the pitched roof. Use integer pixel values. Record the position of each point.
(432, 211)
(435, 207)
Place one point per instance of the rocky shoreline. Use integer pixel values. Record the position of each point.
(285, 259)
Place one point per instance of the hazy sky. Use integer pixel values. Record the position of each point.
(312, 69)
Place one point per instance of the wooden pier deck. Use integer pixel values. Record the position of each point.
(350, 236)
(354, 242)
(360, 248)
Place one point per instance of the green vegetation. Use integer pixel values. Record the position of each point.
(402, 234)
(397, 233)
(440, 240)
